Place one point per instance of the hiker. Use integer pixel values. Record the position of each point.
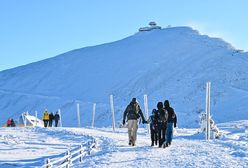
(51, 118)
(162, 123)
(133, 112)
(12, 123)
(8, 122)
(172, 121)
(56, 119)
(45, 118)
(153, 120)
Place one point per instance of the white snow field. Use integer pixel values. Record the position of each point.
(29, 147)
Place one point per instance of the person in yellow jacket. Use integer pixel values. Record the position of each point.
(45, 118)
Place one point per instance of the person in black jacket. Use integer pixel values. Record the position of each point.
(56, 119)
(162, 123)
(133, 112)
(13, 123)
(153, 120)
(51, 118)
(172, 121)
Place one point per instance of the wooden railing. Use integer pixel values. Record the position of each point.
(70, 157)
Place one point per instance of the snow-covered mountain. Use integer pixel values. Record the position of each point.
(171, 63)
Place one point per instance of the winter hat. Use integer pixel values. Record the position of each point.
(134, 100)
(154, 111)
(160, 105)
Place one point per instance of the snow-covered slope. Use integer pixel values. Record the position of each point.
(172, 63)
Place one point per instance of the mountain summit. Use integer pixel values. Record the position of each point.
(172, 63)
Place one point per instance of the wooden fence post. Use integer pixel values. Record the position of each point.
(81, 151)
(68, 160)
(47, 162)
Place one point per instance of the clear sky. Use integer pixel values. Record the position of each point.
(32, 30)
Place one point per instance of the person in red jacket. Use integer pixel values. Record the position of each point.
(8, 122)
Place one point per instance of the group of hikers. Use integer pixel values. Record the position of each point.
(48, 119)
(162, 121)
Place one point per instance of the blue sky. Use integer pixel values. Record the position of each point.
(32, 30)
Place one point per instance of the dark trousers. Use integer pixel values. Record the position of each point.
(45, 123)
(161, 132)
(50, 123)
(154, 134)
(56, 123)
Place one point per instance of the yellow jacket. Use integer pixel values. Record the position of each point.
(45, 116)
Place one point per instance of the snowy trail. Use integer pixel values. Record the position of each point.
(184, 152)
(28, 147)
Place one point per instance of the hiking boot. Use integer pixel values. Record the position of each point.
(130, 142)
(133, 143)
(152, 143)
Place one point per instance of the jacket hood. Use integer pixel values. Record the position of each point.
(166, 103)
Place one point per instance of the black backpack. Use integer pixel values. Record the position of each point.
(163, 115)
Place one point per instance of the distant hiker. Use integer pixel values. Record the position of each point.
(51, 118)
(153, 120)
(162, 123)
(45, 118)
(172, 121)
(12, 123)
(56, 118)
(133, 112)
(8, 122)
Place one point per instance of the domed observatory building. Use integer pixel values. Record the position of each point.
(153, 25)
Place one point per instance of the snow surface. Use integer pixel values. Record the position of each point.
(29, 147)
(171, 63)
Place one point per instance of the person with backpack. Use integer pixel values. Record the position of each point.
(153, 120)
(162, 123)
(172, 121)
(133, 112)
(51, 118)
(56, 119)
(45, 118)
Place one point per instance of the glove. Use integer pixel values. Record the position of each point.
(175, 125)
(123, 122)
(144, 122)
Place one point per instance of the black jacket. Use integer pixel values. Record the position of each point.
(51, 116)
(56, 117)
(172, 117)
